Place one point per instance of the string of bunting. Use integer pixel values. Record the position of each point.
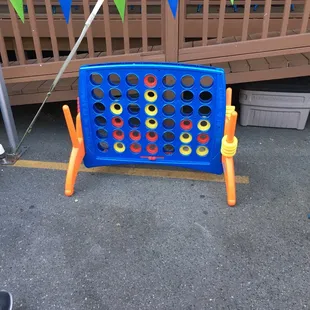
(66, 8)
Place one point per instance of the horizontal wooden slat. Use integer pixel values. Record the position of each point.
(239, 66)
(75, 84)
(49, 70)
(192, 28)
(39, 97)
(267, 75)
(45, 87)
(258, 64)
(18, 88)
(277, 62)
(307, 55)
(296, 60)
(251, 55)
(32, 87)
(9, 88)
(223, 65)
(65, 84)
(253, 46)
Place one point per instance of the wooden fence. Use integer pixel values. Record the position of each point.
(204, 32)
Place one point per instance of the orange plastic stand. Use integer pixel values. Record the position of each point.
(228, 161)
(78, 149)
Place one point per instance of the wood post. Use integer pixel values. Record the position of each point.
(171, 35)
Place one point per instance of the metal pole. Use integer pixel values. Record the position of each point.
(62, 69)
(7, 114)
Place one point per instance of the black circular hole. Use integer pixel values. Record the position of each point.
(185, 135)
(204, 111)
(134, 122)
(119, 133)
(206, 81)
(187, 95)
(168, 123)
(151, 94)
(152, 146)
(115, 93)
(117, 107)
(97, 93)
(132, 79)
(187, 81)
(169, 80)
(136, 133)
(132, 94)
(168, 109)
(187, 110)
(186, 123)
(102, 133)
(152, 108)
(120, 145)
(204, 123)
(185, 148)
(103, 146)
(133, 108)
(100, 121)
(96, 78)
(168, 136)
(114, 79)
(118, 120)
(169, 95)
(152, 134)
(99, 107)
(152, 121)
(168, 149)
(205, 96)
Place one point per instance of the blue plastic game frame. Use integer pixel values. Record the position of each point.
(95, 157)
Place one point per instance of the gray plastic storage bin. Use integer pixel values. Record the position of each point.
(274, 109)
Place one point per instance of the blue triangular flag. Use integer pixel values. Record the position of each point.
(173, 7)
(66, 8)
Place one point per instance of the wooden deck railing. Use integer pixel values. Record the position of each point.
(205, 31)
(267, 36)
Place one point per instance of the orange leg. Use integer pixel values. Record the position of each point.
(229, 174)
(78, 150)
(229, 147)
(76, 158)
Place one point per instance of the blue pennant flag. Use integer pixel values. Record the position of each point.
(66, 8)
(173, 7)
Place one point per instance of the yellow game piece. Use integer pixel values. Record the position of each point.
(185, 150)
(150, 95)
(151, 110)
(116, 108)
(119, 147)
(204, 125)
(151, 123)
(202, 150)
(186, 137)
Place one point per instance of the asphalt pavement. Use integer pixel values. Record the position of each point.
(136, 242)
